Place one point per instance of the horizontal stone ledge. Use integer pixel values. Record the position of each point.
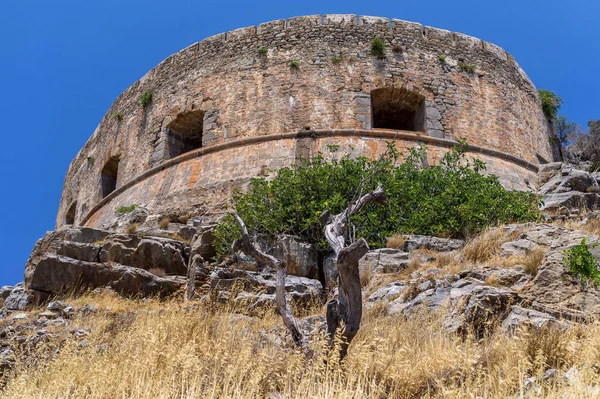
(374, 133)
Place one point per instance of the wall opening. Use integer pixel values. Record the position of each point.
(184, 134)
(70, 216)
(398, 109)
(109, 176)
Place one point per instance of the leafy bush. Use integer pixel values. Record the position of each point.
(337, 59)
(122, 210)
(378, 48)
(294, 64)
(582, 263)
(263, 51)
(146, 98)
(118, 116)
(442, 58)
(551, 103)
(453, 198)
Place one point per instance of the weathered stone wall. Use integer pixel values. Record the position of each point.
(243, 94)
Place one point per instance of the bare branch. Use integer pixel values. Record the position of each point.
(246, 246)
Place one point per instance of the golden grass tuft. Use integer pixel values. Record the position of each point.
(487, 245)
(396, 241)
(132, 228)
(163, 223)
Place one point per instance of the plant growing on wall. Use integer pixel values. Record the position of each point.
(294, 64)
(336, 59)
(397, 48)
(551, 103)
(468, 68)
(263, 51)
(146, 98)
(378, 48)
(122, 210)
(91, 161)
(118, 116)
(442, 58)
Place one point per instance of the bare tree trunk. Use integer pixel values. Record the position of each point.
(346, 310)
(282, 305)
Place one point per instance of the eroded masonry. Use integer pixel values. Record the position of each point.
(238, 104)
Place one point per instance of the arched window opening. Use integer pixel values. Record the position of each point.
(109, 176)
(70, 216)
(184, 134)
(398, 109)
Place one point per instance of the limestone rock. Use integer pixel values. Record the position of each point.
(433, 243)
(145, 253)
(300, 257)
(517, 248)
(18, 299)
(385, 260)
(520, 316)
(55, 274)
(299, 288)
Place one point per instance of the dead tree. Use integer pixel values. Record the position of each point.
(345, 311)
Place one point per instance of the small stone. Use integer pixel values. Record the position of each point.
(20, 316)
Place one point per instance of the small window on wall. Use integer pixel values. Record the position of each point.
(109, 176)
(70, 217)
(184, 134)
(398, 109)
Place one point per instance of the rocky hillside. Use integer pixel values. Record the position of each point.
(139, 312)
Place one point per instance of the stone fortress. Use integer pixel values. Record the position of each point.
(241, 103)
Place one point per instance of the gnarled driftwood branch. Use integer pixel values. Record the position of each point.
(347, 308)
(245, 244)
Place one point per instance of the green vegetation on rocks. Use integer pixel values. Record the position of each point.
(582, 263)
(122, 210)
(453, 198)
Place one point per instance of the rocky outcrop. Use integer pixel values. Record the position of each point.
(488, 296)
(76, 259)
(257, 288)
(564, 187)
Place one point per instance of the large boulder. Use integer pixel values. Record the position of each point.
(567, 187)
(56, 275)
(300, 257)
(385, 260)
(145, 253)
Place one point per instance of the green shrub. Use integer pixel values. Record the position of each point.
(91, 160)
(118, 116)
(551, 103)
(582, 263)
(468, 68)
(453, 198)
(294, 64)
(263, 51)
(378, 48)
(336, 59)
(122, 210)
(442, 58)
(146, 98)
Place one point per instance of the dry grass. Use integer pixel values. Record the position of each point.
(163, 223)
(160, 350)
(487, 245)
(396, 241)
(132, 228)
(531, 262)
(158, 272)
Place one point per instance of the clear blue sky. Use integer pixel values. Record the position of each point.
(63, 62)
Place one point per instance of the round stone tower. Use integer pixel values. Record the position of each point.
(238, 104)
